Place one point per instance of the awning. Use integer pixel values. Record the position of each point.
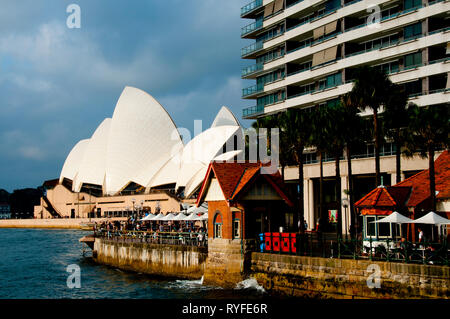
(317, 33)
(268, 9)
(278, 5)
(330, 54)
(331, 27)
(317, 58)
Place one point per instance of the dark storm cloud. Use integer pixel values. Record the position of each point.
(57, 84)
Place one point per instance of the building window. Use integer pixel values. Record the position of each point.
(413, 31)
(409, 4)
(370, 227)
(413, 59)
(218, 225)
(236, 228)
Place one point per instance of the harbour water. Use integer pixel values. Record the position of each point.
(33, 265)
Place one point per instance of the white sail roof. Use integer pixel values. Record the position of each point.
(202, 149)
(93, 165)
(73, 161)
(225, 117)
(142, 138)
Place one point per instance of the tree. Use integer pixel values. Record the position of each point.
(371, 89)
(296, 132)
(336, 141)
(428, 132)
(320, 125)
(395, 120)
(353, 134)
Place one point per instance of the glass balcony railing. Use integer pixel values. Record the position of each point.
(252, 69)
(253, 110)
(251, 6)
(251, 48)
(252, 90)
(251, 27)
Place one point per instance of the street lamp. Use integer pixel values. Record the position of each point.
(345, 204)
(133, 200)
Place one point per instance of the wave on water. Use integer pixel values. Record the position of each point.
(250, 284)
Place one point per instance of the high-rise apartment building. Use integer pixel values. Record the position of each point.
(304, 53)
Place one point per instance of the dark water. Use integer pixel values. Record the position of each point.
(33, 264)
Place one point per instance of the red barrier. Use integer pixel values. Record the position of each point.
(294, 243)
(276, 241)
(285, 242)
(268, 241)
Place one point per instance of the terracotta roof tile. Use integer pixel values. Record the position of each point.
(420, 182)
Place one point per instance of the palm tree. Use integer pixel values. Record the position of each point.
(371, 90)
(319, 137)
(296, 134)
(351, 132)
(428, 131)
(395, 120)
(336, 124)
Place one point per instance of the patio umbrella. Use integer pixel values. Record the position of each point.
(192, 217)
(432, 219)
(395, 218)
(158, 217)
(168, 217)
(148, 217)
(180, 216)
(201, 209)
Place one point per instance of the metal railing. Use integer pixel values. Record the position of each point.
(251, 27)
(327, 245)
(253, 110)
(154, 237)
(251, 6)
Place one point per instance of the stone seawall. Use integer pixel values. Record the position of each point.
(347, 278)
(57, 223)
(186, 262)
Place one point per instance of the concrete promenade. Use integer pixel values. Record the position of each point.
(56, 223)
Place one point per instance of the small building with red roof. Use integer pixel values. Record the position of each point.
(243, 201)
(410, 197)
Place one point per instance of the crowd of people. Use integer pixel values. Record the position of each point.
(158, 231)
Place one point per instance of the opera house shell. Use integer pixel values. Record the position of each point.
(141, 145)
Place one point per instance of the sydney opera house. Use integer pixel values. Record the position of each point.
(138, 160)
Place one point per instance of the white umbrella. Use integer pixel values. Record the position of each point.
(395, 218)
(158, 217)
(193, 216)
(432, 218)
(180, 216)
(148, 217)
(201, 209)
(168, 217)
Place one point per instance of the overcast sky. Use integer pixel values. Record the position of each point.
(58, 84)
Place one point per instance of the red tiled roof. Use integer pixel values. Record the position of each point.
(420, 182)
(234, 177)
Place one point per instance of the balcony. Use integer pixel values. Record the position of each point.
(252, 90)
(252, 69)
(251, 48)
(251, 27)
(252, 111)
(251, 7)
